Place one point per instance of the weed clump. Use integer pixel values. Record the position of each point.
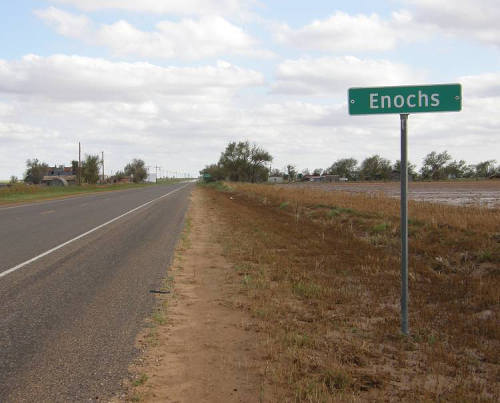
(284, 205)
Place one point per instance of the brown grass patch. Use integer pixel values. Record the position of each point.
(20, 192)
(320, 275)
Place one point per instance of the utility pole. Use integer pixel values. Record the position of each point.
(79, 173)
(102, 160)
(156, 173)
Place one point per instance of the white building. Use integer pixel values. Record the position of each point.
(276, 179)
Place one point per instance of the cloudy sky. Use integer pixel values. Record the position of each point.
(173, 81)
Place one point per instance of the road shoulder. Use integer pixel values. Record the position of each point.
(199, 346)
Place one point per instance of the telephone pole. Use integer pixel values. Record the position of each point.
(102, 167)
(79, 173)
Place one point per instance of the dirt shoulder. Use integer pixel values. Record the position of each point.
(199, 347)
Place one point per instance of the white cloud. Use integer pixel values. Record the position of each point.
(16, 138)
(67, 24)
(459, 13)
(423, 20)
(178, 7)
(345, 32)
(333, 75)
(478, 19)
(482, 85)
(169, 116)
(189, 39)
(76, 78)
(186, 132)
(341, 32)
(208, 36)
(5, 109)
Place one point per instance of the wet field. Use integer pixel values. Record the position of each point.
(485, 193)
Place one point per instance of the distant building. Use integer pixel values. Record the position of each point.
(59, 176)
(331, 178)
(395, 176)
(60, 171)
(276, 179)
(125, 179)
(322, 178)
(58, 180)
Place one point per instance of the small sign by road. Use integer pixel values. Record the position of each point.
(409, 99)
(405, 100)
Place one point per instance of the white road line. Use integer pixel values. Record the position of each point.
(21, 265)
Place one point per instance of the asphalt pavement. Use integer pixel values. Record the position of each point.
(69, 318)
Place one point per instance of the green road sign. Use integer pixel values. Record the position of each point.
(405, 100)
(411, 99)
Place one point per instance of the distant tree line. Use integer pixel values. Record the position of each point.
(89, 171)
(435, 166)
(247, 162)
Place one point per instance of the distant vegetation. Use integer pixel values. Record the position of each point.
(35, 171)
(137, 170)
(244, 162)
(30, 189)
(435, 166)
(90, 171)
(240, 162)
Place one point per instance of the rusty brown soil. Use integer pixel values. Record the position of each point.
(199, 347)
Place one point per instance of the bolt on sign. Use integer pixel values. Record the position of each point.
(410, 99)
(405, 100)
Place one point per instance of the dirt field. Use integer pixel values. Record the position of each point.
(470, 193)
(289, 294)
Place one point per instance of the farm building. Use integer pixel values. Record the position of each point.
(276, 179)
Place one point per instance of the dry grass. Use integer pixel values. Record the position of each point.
(21, 192)
(379, 204)
(321, 270)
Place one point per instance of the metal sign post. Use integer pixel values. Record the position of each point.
(403, 101)
(403, 173)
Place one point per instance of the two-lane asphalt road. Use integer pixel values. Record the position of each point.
(75, 281)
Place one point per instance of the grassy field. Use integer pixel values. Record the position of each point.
(20, 192)
(171, 180)
(320, 275)
(26, 193)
